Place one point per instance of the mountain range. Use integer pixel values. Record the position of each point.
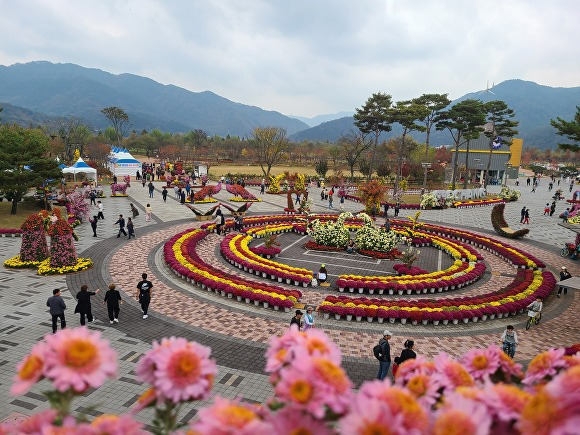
(35, 92)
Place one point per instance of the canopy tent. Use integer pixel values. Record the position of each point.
(62, 166)
(123, 163)
(81, 167)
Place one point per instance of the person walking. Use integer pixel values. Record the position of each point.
(522, 214)
(112, 299)
(564, 275)
(121, 223)
(547, 209)
(176, 192)
(552, 208)
(164, 194)
(144, 294)
(527, 217)
(56, 306)
(397, 208)
(100, 213)
(84, 304)
(565, 215)
(296, 320)
(93, 221)
(528, 181)
(308, 319)
(384, 356)
(219, 221)
(144, 180)
(148, 213)
(130, 228)
(263, 186)
(386, 209)
(330, 197)
(182, 196)
(93, 196)
(134, 211)
(151, 189)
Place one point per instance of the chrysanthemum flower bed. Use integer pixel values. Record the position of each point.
(240, 194)
(470, 203)
(10, 232)
(482, 392)
(509, 300)
(235, 248)
(181, 256)
(44, 268)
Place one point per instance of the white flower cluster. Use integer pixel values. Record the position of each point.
(509, 194)
(428, 200)
(329, 233)
(371, 238)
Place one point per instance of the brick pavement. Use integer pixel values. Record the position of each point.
(238, 332)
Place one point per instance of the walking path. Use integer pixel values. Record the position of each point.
(238, 333)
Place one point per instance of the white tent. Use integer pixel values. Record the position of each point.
(123, 163)
(81, 167)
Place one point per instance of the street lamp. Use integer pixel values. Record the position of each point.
(426, 166)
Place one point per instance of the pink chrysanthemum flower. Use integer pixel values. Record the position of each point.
(30, 370)
(333, 381)
(450, 374)
(293, 421)
(504, 401)
(371, 416)
(227, 417)
(183, 370)
(116, 425)
(78, 359)
(461, 415)
(145, 400)
(414, 418)
(545, 366)
(412, 367)
(299, 389)
(566, 389)
(543, 414)
(481, 363)
(508, 366)
(35, 424)
(424, 389)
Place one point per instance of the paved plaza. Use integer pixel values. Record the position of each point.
(238, 333)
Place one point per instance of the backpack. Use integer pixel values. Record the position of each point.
(378, 352)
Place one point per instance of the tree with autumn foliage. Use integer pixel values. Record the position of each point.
(371, 194)
(270, 144)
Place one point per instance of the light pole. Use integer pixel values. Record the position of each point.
(426, 166)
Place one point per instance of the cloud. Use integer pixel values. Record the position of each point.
(305, 57)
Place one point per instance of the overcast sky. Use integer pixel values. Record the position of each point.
(304, 57)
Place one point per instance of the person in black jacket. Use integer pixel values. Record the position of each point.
(144, 294)
(407, 353)
(112, 298)
(296, 320)
(84, 304)
(121, 223)
(385, 362)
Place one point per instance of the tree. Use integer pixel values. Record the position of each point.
(21, 147)
(406, 113)
(118, 119)
(194, 140)
(498, 115)
(352, 146)
(464, 121)
(374, 117)
(72, 131)
(434, 103)
(321, 168)
(270, 144)
(570, 129)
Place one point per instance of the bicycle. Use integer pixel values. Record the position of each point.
(508, 348)
(533, 320)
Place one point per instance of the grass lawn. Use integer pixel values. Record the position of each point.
(24, 209)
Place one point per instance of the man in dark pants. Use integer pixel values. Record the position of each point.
(93, 197)
(164, 194)
(385, 362)
(144, 294)
(56, 307)
(151, 189)
(121, 223)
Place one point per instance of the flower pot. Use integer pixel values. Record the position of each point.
(223, 293)
(400, 292)
(247, 300)
(474, 319)
(286, 309)
(380, 319)
(369, 319)
(239, 298)
(492, 316)
(264, 274)
(404, 320)
(272, 276)
(445, 321)
(455, 321)
(499, 315)
(372, 291)
(484, 317)
(436, 322)
(250, 270)
(276, 308)
(465, 320)
(279, 279)
(424, 321)
(351, 289)
(336, 316)
(349, 317)
(296, 282)
(341, 289)
(266, 304)
(358, 318)
(288, 281)
(326, 316)
(361, 289)
(392, 320)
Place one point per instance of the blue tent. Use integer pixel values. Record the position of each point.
(62, 166)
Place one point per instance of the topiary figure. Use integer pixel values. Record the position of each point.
(34, 246)
(501, 226)
(62, 248)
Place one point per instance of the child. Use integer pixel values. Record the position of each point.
(112, 298)
(535, 309)
(547, 209)
(509, 341)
